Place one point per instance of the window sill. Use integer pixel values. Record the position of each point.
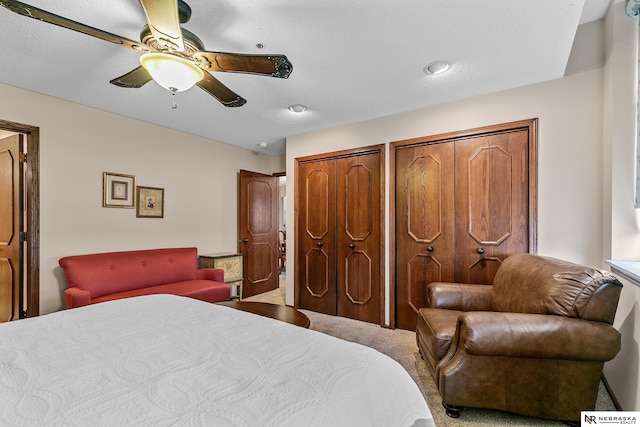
(630, 270)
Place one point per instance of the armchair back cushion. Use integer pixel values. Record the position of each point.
(551, 286)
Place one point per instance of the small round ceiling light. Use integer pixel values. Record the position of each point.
(297, 108)
(437, 67)
(260, 45)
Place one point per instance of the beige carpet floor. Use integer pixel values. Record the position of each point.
(401, 346)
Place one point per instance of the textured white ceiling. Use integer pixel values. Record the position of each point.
(352, 60)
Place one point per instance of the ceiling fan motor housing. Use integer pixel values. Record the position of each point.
(192, 43)
(184, 12)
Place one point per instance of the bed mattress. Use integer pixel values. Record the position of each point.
(164, 360)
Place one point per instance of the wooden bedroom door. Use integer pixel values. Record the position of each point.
(259, 232)
(338, 238)
(463, 202)
(11, 227)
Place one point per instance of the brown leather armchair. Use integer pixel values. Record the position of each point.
(533, 343)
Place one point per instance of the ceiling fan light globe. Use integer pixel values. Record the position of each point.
(171, 72)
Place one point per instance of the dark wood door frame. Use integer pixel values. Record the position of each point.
(32, 218)
(531, 125)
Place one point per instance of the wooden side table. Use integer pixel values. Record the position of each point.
(283, 313)
(231, 263)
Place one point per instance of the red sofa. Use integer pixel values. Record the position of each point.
(107, 276)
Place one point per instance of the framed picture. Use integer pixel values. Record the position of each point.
(117, 190)
(150, 202)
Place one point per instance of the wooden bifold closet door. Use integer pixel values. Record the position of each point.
(463, 203)
(338, 243)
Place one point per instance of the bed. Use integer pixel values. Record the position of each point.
(164, 360)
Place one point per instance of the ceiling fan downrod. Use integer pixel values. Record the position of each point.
(174, 104)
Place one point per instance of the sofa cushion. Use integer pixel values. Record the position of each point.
(204, 290)
(527, 283)
(113, 272)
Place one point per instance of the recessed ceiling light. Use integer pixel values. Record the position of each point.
(437, 67)
(297, 108)
(260, 45)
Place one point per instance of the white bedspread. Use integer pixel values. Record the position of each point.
(163, 360)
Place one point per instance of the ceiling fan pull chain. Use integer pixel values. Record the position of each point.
(174, 104)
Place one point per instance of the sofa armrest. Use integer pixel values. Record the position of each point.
(459, 296)
(535, 336)
(215, 274)
(76, 297)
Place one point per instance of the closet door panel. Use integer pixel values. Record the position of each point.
(424, 225)
(492, 190)
(358, 242)
(316, 236)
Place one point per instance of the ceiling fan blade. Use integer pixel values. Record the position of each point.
(268, 65)
(164, 22)
(135, 78)
(51, 18)
(215, 88)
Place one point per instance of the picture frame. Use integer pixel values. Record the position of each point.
(150, 202)
(118, 190)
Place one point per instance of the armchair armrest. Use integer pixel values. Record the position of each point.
(459, 296)
(76, 297)
(215, 274)
(535, 336)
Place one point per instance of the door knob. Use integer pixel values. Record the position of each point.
(320, 244)
(480, 251)
(245, 241)
(429, 248)
(352, 245)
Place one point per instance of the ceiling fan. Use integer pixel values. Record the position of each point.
(172, 56)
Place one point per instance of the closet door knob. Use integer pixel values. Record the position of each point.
(429, 248)
(352, 245)
(480, 251)
(320, 244)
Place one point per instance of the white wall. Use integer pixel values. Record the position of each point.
(621, 220)
(78, 144)
(569, 141)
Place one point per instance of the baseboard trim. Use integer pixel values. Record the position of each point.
(610, 391)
